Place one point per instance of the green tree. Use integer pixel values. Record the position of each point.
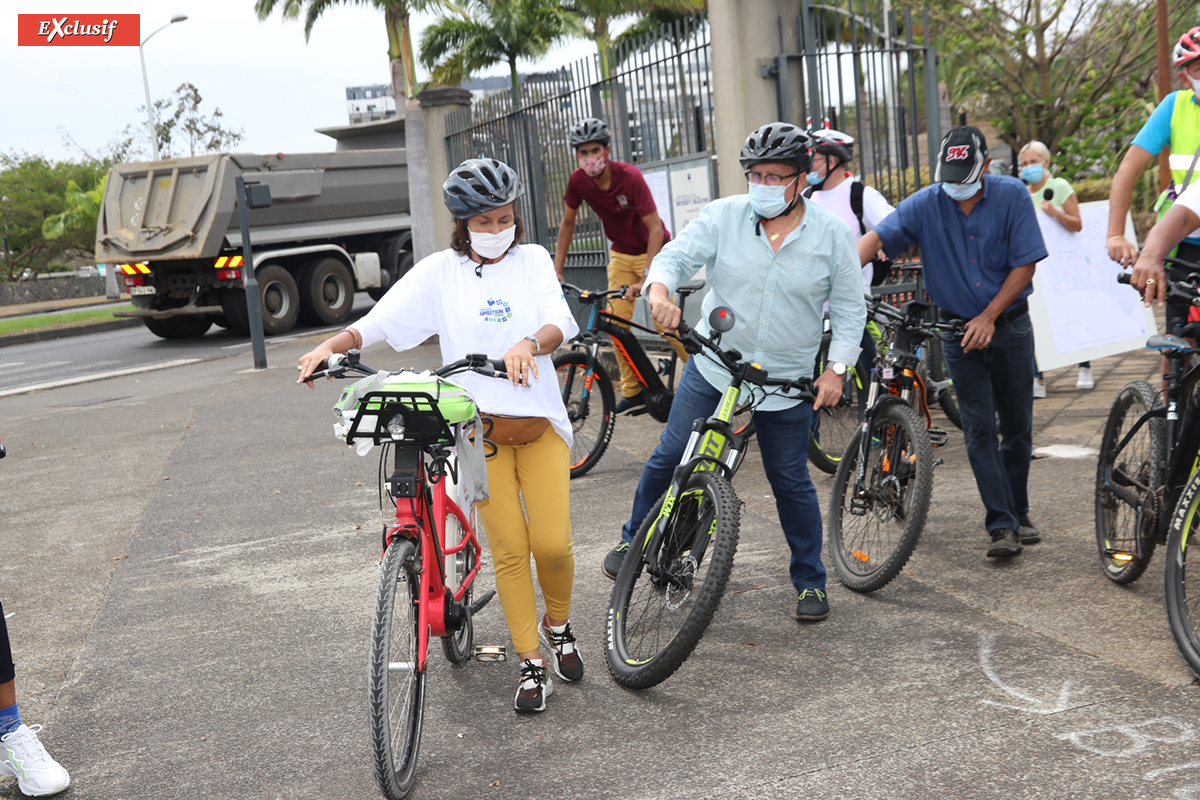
(81, 214)
(182, 128)
(491, 32)
(33, 190)
(396, 14)
(658, 22)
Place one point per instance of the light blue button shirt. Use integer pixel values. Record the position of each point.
(777, 298)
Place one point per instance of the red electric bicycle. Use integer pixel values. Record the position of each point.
(431, 550)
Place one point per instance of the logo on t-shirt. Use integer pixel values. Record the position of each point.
(496, 311)
(623, 201)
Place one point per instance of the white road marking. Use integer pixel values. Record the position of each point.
(98, 376)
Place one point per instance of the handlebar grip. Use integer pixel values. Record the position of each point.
(1125, 278)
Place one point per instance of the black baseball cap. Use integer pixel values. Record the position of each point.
(963, 153)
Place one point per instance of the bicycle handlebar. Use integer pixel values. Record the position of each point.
(592, 295)
(749, 372)
(877, 307)
(1179, 292)
(340, 365)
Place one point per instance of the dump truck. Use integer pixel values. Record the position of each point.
(338, 223)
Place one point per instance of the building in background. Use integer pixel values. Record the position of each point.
(370, 103)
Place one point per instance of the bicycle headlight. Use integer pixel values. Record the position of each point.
(395, 427)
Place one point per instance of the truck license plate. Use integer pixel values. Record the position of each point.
(141, 290)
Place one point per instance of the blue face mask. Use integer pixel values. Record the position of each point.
(961, 191)
(1033, 173)
(814, 179)
(768, 201)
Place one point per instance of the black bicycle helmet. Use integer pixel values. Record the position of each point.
(777, 142)
(480, 184)
(588, 130)
(834, 143)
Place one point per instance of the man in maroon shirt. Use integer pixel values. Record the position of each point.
(618, 194)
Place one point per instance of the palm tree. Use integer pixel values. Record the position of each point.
(657, 21)
(82, 212)
(396, 15)
(490, 32)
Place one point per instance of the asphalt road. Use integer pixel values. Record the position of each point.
(189, 558)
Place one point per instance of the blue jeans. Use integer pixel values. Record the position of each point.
(998, 380)
(783, 441)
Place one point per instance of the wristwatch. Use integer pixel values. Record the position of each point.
(838, 367)
(537, 346)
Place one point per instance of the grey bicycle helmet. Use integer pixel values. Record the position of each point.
(777, 142)
(480, 184)
(834, 143)
(588, 130)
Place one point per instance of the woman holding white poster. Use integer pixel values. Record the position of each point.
(1055, 198)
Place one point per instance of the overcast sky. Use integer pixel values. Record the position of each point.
(262, 75)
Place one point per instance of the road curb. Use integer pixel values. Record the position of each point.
(63, 333)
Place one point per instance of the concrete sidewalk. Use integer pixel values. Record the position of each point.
(190, 560)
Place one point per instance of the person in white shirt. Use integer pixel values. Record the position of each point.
(491, 294)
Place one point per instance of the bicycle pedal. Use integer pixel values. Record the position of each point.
(859, 506)
(491, 652)
(664, 366)
(637, 412)
(938, 437)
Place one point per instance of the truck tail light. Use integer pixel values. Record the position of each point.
(229, 274)
(134, 280)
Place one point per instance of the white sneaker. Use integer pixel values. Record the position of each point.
(26, 760)
(1085, 379)
(1039, 388)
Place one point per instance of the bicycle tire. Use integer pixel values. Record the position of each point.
(1116, 521)
(868, 549)
(592, 431)
(395, 696)
(830, 433)
(1182, 590)
(641, 655)
(935, 366)
(458, 647)
(743, 423)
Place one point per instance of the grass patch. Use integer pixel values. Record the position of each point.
(68, 319)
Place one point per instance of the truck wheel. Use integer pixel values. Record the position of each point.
(233, 302)
(394, 271)
(326, 292)
(183, 327)
(280, 298)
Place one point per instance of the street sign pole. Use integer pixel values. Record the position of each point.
(255, 195)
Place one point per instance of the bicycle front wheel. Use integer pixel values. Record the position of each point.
(396, 685)
(1124, 475)
(590, 405)
(830, 433)
(872, 532)
(671, 583)
(1182, 585)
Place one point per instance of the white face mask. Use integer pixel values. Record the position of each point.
(492, 245)
(1195, 83)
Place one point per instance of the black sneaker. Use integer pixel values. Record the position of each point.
(812, 606)
(1005, 542)
(534, 688)
(614, 559)
(567, 663)
(1029, 533)
(627, 405)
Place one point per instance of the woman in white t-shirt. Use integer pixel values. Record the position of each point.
(490, 294)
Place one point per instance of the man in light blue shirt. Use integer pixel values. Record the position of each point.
(775, 260)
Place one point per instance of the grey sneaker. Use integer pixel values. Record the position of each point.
(1029, 533)
(1005, 542)
(614, 559)
(812, 606)
(534, 688)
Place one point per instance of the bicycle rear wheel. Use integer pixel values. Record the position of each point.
(458, 646)
(1125, 474)
(872, 536)
(592, 424)
(670, 586)
(396, 685)
(1182, 585)
(831, 432)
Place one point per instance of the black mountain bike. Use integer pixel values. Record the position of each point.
(587, 390)
(675, 572)
(882, 487)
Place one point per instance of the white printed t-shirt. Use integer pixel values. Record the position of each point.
(512, 299)
(875, 208)
(1189, 198)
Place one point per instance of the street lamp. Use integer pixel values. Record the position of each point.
(146, 83)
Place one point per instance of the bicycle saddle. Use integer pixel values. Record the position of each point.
(1168, 342)
(689, 288)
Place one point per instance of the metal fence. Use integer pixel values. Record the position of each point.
(657, 100)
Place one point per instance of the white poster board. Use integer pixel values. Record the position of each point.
(691, 191)
(1079, 311)
(660, 190)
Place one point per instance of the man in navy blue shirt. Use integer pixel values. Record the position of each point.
(979, 241)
